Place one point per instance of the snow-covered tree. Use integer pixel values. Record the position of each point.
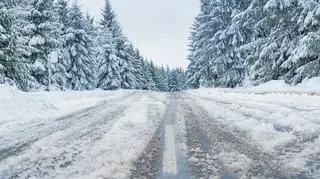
(82, 65)
(124, 49)
(227, 65)
(41, 34)
(59, 69)
(138, 69)
(205, 27)
(173, 81)
(14, 48)
(161, 80)
(148, 76)
(303, 60)
(127, 70)
(108, 63)
(236, 42)
(194, 70)
(6, 42)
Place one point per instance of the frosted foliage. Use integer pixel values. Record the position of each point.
(89, 55)
(82, 66)
(259, 41)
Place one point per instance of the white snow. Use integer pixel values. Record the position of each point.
(106, 144)
(273, 115)
(20, 108)
(123, 144)
(169, 156)
(88, 147)
(307, 86)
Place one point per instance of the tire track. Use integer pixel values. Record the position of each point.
(285, 151)
(68, 141)
(262, 165)
(39, 131)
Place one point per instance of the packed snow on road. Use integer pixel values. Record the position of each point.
(260, 132)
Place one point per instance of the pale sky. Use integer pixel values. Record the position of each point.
(159, 28)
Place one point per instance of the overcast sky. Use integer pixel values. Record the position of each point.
(159, 28)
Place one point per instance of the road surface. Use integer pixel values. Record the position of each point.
(179, 135)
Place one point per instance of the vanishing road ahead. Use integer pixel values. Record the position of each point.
(194, 134)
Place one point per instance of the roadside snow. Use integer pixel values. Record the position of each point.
(126, 141)
(101, 143)
(275, 122)
(307, 86)
(19, 108)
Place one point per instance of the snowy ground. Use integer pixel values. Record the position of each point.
(261, 132)
(279, 132)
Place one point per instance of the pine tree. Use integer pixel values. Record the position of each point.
(227, 65)
(6, 43)
(149, 82)
(42, 34)
(138, 69)
(194, 70)
(205, 26)
(173, 81)
(302, 59)
(161, 79)
(59, 69)
(127, 71)
(108, 66)
(124, 50)
(82, 67)
(237, 42)
(14, 64)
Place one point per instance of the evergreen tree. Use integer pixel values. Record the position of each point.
(161, 79)
(194, 71)
(234, 43)
(14, 67)
(59, 72)
(6, 35)
(124, 50)
(149, 82)
(138, 69)
(205, 26)
(302, 59)
(82, 66)
(108, 66)
(173, 81)
(127, 71)
(41, 34)
(228, 68)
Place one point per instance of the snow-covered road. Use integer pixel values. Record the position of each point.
(230, 134)
(207, 133)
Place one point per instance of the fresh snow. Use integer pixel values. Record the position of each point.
(100, 134)
(19, 108)
(273, 115)
(110, 148)
(169, 156)
(279, 86)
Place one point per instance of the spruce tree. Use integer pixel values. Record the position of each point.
(82, 65)
(194, 70)
(124, 50)
(15, 65)
(127, 70)
(149, 82)
(138, 69)
(6, 43)
(41, 34)
(59, 72)
(108, 63)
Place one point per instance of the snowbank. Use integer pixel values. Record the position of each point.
(308, 86)
(274, 115)
(18, 108)
(103, 145)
